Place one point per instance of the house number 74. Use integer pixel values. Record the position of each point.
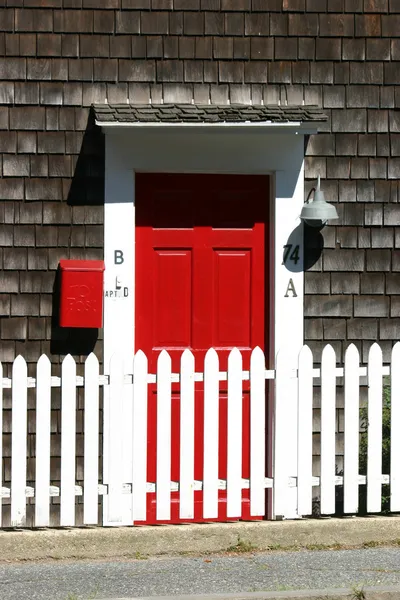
(291, 253)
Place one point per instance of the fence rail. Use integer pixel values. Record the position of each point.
(104, 380)
(123, 482)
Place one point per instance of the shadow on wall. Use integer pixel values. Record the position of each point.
(69, 340)
(86, 190)
(313, 246)
(87, 187)
(313, 239)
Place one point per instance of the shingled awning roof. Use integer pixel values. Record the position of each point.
(204, 114)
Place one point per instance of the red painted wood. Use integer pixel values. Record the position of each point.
(201, 261)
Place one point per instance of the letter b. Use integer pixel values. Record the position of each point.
(118, 257)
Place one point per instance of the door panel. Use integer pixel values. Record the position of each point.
(200, 283)
(231, 307)
(172, 301)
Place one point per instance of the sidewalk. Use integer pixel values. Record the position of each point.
(178, 540)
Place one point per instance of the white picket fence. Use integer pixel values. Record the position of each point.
(123, 483)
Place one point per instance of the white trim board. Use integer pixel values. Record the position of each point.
(262, 126)
(228, 150)
(281, 155)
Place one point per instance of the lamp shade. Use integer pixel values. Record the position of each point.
(318, 211)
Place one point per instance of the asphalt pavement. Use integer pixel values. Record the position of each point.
(180, 576)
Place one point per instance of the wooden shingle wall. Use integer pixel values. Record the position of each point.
(60, 56)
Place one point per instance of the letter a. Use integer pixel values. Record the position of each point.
(291, 289)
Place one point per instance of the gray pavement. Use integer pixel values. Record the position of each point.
(259, 572)
(110, 543)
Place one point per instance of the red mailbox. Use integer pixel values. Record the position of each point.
(81, 303)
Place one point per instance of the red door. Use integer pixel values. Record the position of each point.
(200, 283)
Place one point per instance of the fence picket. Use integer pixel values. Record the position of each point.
(139, 428)
(186, 483)
(257, 433)
(19, 442)
(234, 455)
(211, 423)
(163, 484)
(374, 466)
(91, 441)
(281, 468)
(351, 429)
(43, 422)
(395, 430)
(115, 456)
(305, 419)
(68, 441)
(328, 420)
(1, 440)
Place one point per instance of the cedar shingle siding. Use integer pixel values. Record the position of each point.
(60, 56)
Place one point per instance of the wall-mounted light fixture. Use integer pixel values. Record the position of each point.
(317, 212)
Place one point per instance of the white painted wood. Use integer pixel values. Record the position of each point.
(289, 232)
(163, 484)
(285, 480)
(305, 435)
(234, 455)
(351, 429)
(119, 320)
(139, 428)
(211, 423)
(43, 421)
(19, 442)
(395, 430)
(186, 480)
(288, 301)
(127, 440)
(91, 442)
(257, 433)
(1, 440)
(284, 445)
(374, 455)
(114, 456)
(328, 413)
(68, 441)
(214, 152)
(119, 275)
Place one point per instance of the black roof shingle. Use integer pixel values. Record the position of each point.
(205, 113)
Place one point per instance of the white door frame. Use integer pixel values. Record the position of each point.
(277, 151)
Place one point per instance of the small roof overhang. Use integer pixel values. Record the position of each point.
(296, 119)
